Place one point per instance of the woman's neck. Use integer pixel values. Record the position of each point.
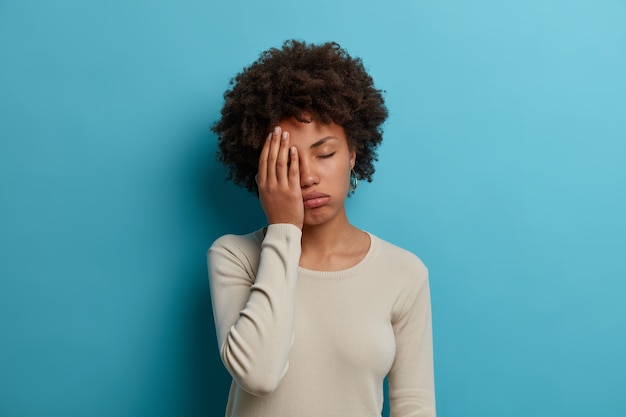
(332, 246)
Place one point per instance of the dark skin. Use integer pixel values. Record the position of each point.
(303, 178)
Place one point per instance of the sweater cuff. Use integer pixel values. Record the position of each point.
(288, 231)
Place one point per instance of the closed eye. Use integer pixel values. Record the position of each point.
(326, 156)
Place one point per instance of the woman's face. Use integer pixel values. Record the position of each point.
(325, 161)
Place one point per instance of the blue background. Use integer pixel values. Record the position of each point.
(503, 168)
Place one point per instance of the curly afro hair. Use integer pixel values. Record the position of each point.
(305, 81)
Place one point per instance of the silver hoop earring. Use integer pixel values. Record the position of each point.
(354, 181)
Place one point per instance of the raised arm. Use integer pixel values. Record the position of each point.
(253, 308)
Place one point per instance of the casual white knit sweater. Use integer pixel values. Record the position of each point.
(303, 343)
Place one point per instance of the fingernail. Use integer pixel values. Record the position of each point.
(277, 130)
(284, 135)
(269, 136)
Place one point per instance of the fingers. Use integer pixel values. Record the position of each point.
(278, 180)
(274, 160)
(261, 176)
(282, 161)
(294, 167)
(272, 155)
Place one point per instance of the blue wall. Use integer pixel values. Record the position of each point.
(503, 167)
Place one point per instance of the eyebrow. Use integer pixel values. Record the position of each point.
(322, 141)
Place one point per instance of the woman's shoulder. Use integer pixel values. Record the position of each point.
(249, 244)
(397, 258)
(236, 244)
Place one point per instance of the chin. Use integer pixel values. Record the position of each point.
(314, 220)
(317, 218)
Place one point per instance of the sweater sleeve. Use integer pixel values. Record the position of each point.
(254, 312)
(411, 378)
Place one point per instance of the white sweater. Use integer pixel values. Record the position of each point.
(304, 343)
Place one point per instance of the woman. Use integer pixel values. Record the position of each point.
(311, 312)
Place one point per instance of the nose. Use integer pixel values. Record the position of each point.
(308, 177)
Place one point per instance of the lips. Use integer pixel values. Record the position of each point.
(314, 200)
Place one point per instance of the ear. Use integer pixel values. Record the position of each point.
(352, 158)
